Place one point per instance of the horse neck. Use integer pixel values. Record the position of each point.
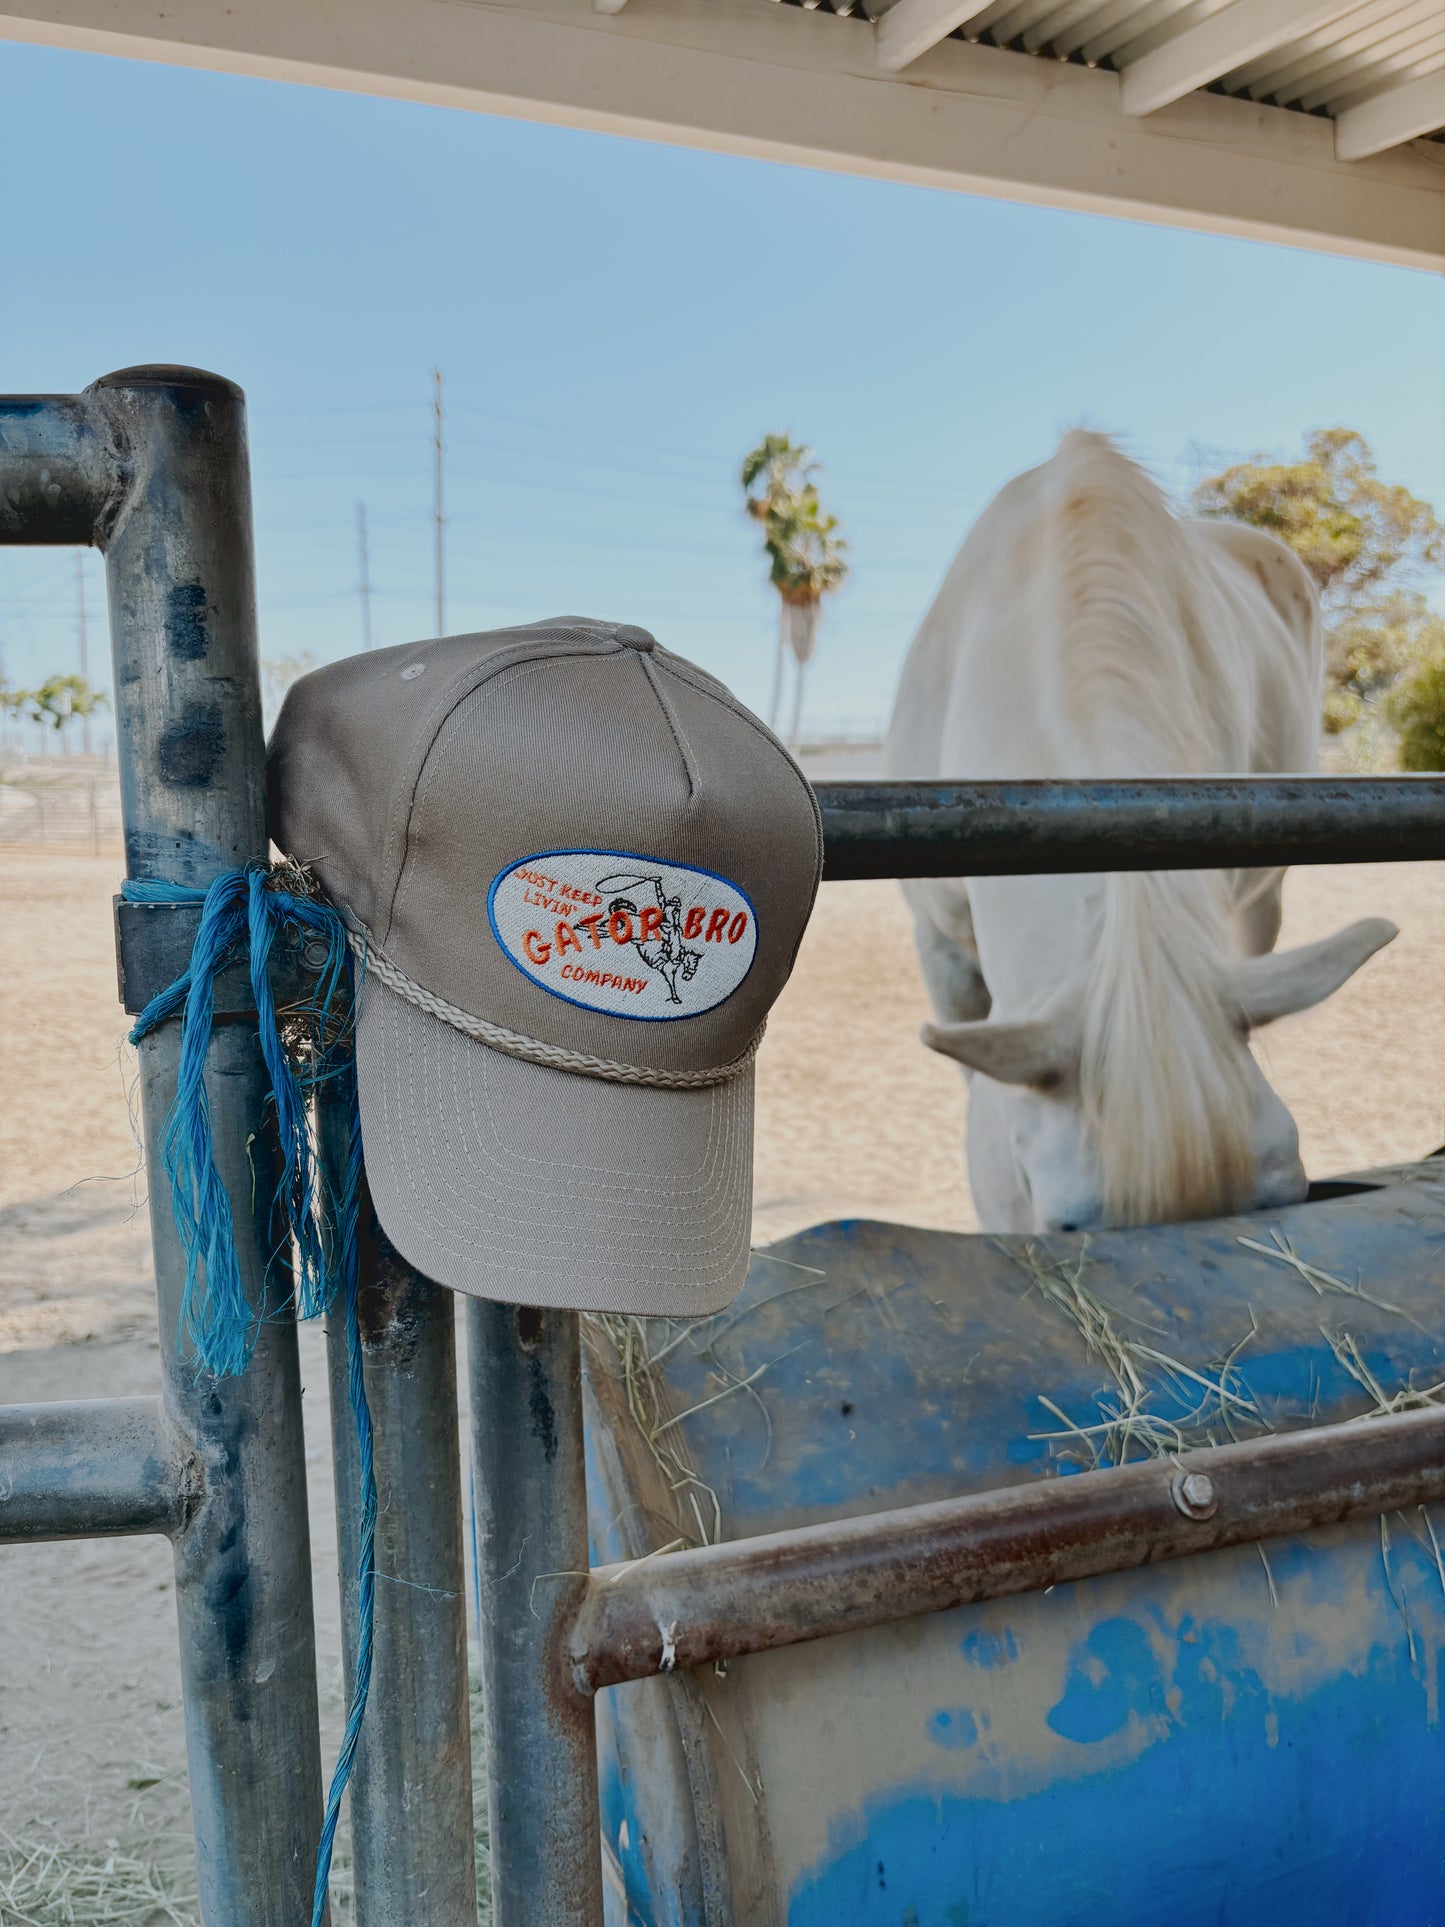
(1149, 668)
(1151, 661)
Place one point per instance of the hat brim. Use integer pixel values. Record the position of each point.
(513, 1181)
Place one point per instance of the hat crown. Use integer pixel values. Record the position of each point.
(438, 789)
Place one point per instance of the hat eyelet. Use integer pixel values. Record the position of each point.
(412, 671)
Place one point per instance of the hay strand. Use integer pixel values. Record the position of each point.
(1409, 1398)
(1128, 1424)
(1319, 1281)
(630, 1342)
(1263, 1560)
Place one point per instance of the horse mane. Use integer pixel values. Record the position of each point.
(1151, 657)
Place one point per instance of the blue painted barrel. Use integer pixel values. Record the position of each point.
(1246, 1738)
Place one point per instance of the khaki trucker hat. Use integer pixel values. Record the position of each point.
(578, 871)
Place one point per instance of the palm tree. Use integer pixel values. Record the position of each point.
(805, 553)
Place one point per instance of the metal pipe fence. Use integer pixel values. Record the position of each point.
(66, 812)
(1172, 823)
(415, 1753)
(150, 465)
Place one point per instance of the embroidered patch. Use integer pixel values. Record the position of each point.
(625, 934)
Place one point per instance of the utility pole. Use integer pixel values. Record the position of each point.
(437, 512)
(364, 558)
(84, 635)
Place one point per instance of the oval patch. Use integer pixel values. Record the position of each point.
(623, 933)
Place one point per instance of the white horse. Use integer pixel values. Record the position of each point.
(1087, 630)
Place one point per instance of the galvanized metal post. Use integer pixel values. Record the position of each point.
(531, 1515)
(412, 1827)
(188, 725)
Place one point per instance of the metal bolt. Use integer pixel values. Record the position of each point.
(315, 953)
(1193, 1493)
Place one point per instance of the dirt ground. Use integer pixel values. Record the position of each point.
(854, 1118)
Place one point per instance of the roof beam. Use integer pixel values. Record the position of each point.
(913, 26)
(1217, 46)
(778, 83)
(1390, 119)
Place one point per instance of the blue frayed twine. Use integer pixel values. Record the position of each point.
(244, 909)
(247, 911)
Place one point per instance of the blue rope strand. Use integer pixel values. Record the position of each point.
(215, 1316)
(320, 1228)
(242, 908)
(366, 1560)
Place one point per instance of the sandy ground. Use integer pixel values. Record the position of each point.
(854, 1117)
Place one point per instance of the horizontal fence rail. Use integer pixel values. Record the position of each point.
(93, 1468)
(1184, 823)
(676, 1610)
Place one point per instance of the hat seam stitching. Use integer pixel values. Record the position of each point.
(470, 679)
(491, 1258)
(734, 708)
(684, 751)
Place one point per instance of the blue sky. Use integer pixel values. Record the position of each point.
(617, 323)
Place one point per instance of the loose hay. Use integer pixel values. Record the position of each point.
(630, 1343)
(1409, 1398)
(50, 1884)
(1320, 1282)
(1128, 1423)
(633, 1351)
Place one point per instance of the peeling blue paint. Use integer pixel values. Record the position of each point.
(1212, 1826)
(1113, 1677)
(953, 1727)
(989, 1649)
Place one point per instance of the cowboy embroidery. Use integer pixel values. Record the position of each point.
(659, 939)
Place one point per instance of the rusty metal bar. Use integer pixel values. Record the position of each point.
(1185, 823)
(683, 1609)
(93, 1468)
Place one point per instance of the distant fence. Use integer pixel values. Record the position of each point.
(64, 814)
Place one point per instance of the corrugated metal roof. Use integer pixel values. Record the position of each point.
(1373, 47)
(1370, 48)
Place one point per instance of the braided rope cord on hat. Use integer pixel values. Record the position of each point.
(516, 1043)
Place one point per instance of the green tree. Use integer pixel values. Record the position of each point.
(1416, 707)
(1371, 646)
(58, 700)
(1366, 543)
(806, 554)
